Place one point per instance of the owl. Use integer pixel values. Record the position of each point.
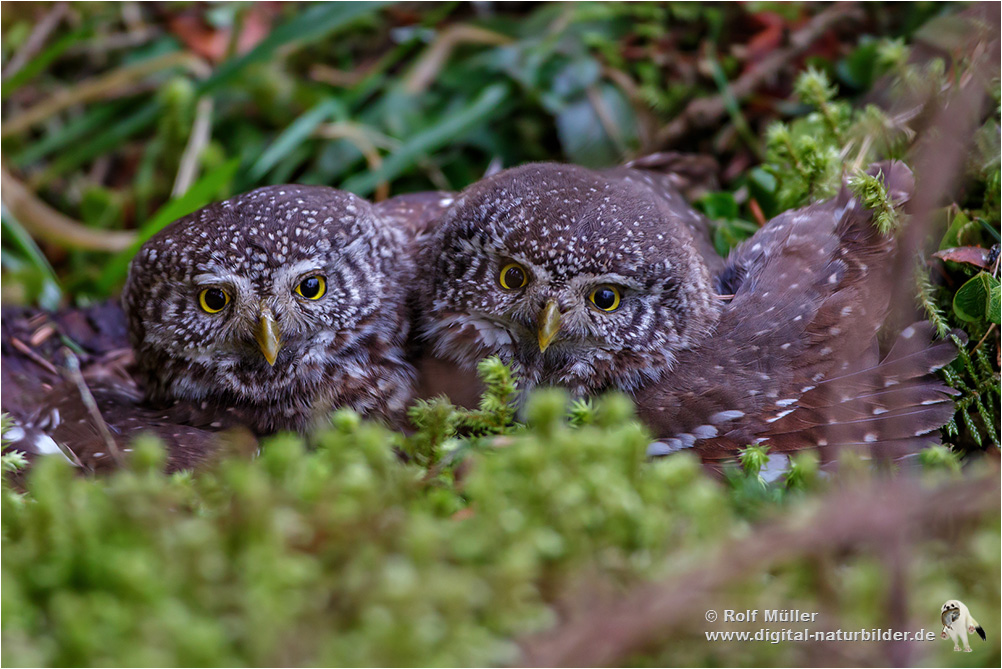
(584, 280)
(598, 281)
(276, 307)
(266, 311)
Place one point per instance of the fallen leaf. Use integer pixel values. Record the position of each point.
(970, 255)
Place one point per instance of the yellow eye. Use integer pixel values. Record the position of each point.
(212, 300)
(605, 298)
(513, 276)
(312, 288)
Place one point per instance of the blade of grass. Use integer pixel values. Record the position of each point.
(318, 21)
(113, 136)
(294, 135)
(110, 84)
(13, 232)
(201, 193)
(91, 120)
(448, 129)
(40, 62)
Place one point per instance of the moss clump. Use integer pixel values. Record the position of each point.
(336, 551)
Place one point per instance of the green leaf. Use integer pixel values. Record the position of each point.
(586, 139)
(112, 137)
(318, 21)
(294, 135)
(720, 205)
(49, 293)
(447, 130)
(858, 68)
(41, 61)
(994, 298)
(956, 230)
(974, 300)
(86, 124)
(201, 193)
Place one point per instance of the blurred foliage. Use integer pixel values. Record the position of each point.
(362, 546)
(338, 552)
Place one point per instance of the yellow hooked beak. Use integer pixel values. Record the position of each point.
(549, 324)
(268, 336)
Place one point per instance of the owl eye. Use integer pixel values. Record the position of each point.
(212, 300)
(513, 276)
(312, 288)
(605, 298)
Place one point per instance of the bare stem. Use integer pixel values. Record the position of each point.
(44, 222)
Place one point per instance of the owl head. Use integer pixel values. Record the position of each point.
(582, 279)
(287, 301)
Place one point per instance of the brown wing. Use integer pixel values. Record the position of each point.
(794, 359)
(48, 403)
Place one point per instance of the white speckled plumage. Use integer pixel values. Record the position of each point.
(342, 350)
(789, 359)
(573, 230)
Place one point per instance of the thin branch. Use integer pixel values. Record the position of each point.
(34, 357)
(362, 141)
(605, 118)
(703, 112)
(44, 222)
(982, 340)
(201, 133)
(938, 162)
(36, 40)
(73, 374)
(438, 53)
(848, 518)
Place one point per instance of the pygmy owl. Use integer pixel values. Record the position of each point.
(274, 307)
(266, 311)
(607, 280)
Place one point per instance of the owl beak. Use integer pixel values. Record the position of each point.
(268, 336)
(549, 324)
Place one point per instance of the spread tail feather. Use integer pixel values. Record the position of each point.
(896, 403)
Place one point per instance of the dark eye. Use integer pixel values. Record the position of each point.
(513, 276)
(212, 300)
(312, 288)
(605, 298)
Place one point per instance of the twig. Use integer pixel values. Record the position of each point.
(74, 376)
(605, 118)
(35, 41)
(104, 86)
(45, 222)
(201, 132)
(847, 518)
(113, 42)
(645, 117)
(703, 112)
(34, 357)
(938, 163)
(438, 53)
(982, 340)
(335, 77)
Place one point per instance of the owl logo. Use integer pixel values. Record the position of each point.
(958, 622)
